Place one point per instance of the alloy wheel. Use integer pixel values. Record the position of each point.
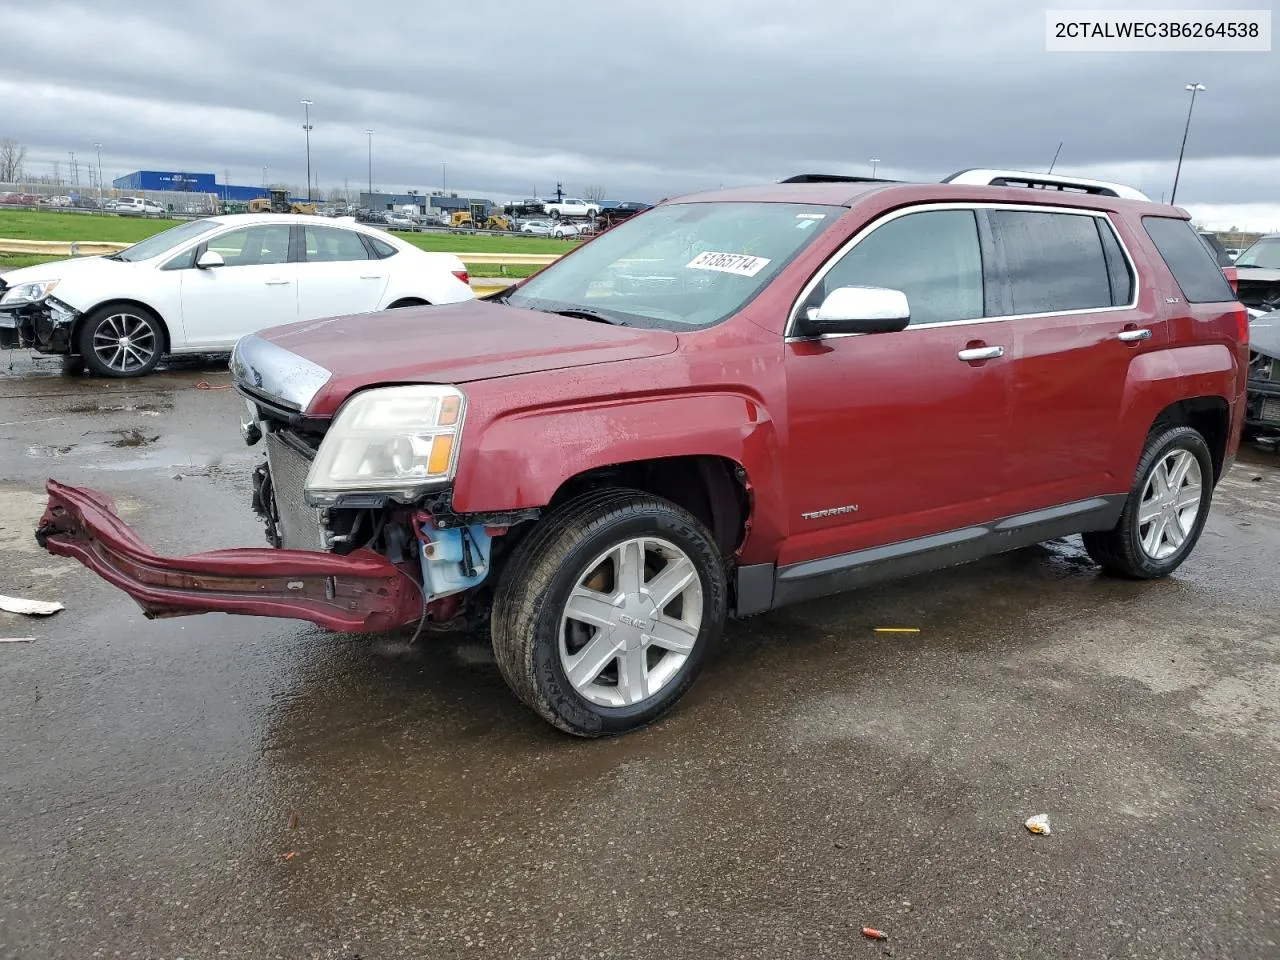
(1170, 504)
(124, 342)
(631, 622)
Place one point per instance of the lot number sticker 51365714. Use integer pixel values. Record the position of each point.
(740, 263)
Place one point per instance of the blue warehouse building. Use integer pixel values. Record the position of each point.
(181, 182)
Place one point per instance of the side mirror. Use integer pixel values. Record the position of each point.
(858, 310)
(210, 258)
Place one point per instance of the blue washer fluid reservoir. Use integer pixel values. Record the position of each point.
(448, 554)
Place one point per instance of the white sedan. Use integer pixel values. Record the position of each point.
(200, 286)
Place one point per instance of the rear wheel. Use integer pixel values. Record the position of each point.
(606, 611)
(121, 341)
(1165, 512)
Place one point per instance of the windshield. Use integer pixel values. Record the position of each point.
(166, 240)
(1265, 253)
(680, 265)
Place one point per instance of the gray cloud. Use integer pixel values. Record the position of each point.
(648, 98)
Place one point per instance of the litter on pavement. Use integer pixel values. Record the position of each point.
(34, 608)
(1039, 824)
(871, 933)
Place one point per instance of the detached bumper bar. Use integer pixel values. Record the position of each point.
(360, 592)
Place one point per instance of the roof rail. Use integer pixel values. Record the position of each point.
(1044, 181)
(832, 178)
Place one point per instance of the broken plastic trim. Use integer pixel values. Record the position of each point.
(360, 592)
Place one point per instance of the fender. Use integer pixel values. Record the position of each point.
(1161, 378)
(519, 460)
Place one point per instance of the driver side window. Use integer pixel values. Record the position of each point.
(932, 256)
(252, 246)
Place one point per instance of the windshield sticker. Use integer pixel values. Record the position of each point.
(811, 216)
(742, 264)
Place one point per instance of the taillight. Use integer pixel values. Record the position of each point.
(1233, 278)
(1242, 324)
(462, 275)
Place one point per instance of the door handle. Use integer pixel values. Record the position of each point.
(370, 276)
(277, 283)
(1133, 336)
(980, 353)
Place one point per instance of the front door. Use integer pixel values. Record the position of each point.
(255, 287)
(896, 436)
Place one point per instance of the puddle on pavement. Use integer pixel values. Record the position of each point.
(46, 451)
(132, 438)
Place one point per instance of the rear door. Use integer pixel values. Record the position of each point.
(895, 436)
(337, 276)
(1075, 327)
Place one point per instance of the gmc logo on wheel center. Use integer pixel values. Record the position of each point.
(637, 622)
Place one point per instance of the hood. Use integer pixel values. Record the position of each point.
(65, 271)
(454, 343)
(1264, 334)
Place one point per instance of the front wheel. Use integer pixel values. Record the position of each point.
(1165, 512)
(606, 611)
(124, 341)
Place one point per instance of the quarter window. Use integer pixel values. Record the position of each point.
(329, 244)
(253, 246)
(381, 248)
(1199, 278)
(933, 257)
(1054, 261)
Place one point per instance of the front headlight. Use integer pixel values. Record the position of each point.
(28, 292)
(399, 441)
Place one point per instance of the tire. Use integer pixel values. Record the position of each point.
(579, 547)
(1145, 549)
(555, 214)
(101, 341)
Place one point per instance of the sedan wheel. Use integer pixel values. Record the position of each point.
(121, 342)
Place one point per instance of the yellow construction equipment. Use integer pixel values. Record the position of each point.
(279, 202)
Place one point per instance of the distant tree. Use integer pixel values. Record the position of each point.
(337, 196)
(593, 193)
(12, 155)
(57, 173)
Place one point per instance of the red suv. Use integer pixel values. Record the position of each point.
(733, 401)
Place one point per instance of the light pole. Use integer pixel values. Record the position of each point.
(369, 133)
(98, 147)
(444, 181)
(264, 178)
(874, 162)
(306, 105)
(1194, 88)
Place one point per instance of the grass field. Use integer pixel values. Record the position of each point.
(33, 225)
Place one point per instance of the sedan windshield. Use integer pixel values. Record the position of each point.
(679, 265)
(165, 241)
(1265, 253)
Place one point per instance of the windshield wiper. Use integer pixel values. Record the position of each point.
(588, 314)
(116, 256)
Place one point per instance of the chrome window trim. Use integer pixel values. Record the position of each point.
(929, 207)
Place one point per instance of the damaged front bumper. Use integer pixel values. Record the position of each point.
(44, 326)
(359, 592)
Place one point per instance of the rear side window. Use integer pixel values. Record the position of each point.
(1188, 259)
(1118, 270)
(1055, 261)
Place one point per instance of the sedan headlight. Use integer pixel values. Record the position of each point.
(28, 292)
(399, 441)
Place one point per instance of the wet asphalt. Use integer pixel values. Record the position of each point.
(818, 778)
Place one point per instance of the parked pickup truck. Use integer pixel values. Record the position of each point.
(731, 402)
(570, 208)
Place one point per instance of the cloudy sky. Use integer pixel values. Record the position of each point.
(648, 98)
